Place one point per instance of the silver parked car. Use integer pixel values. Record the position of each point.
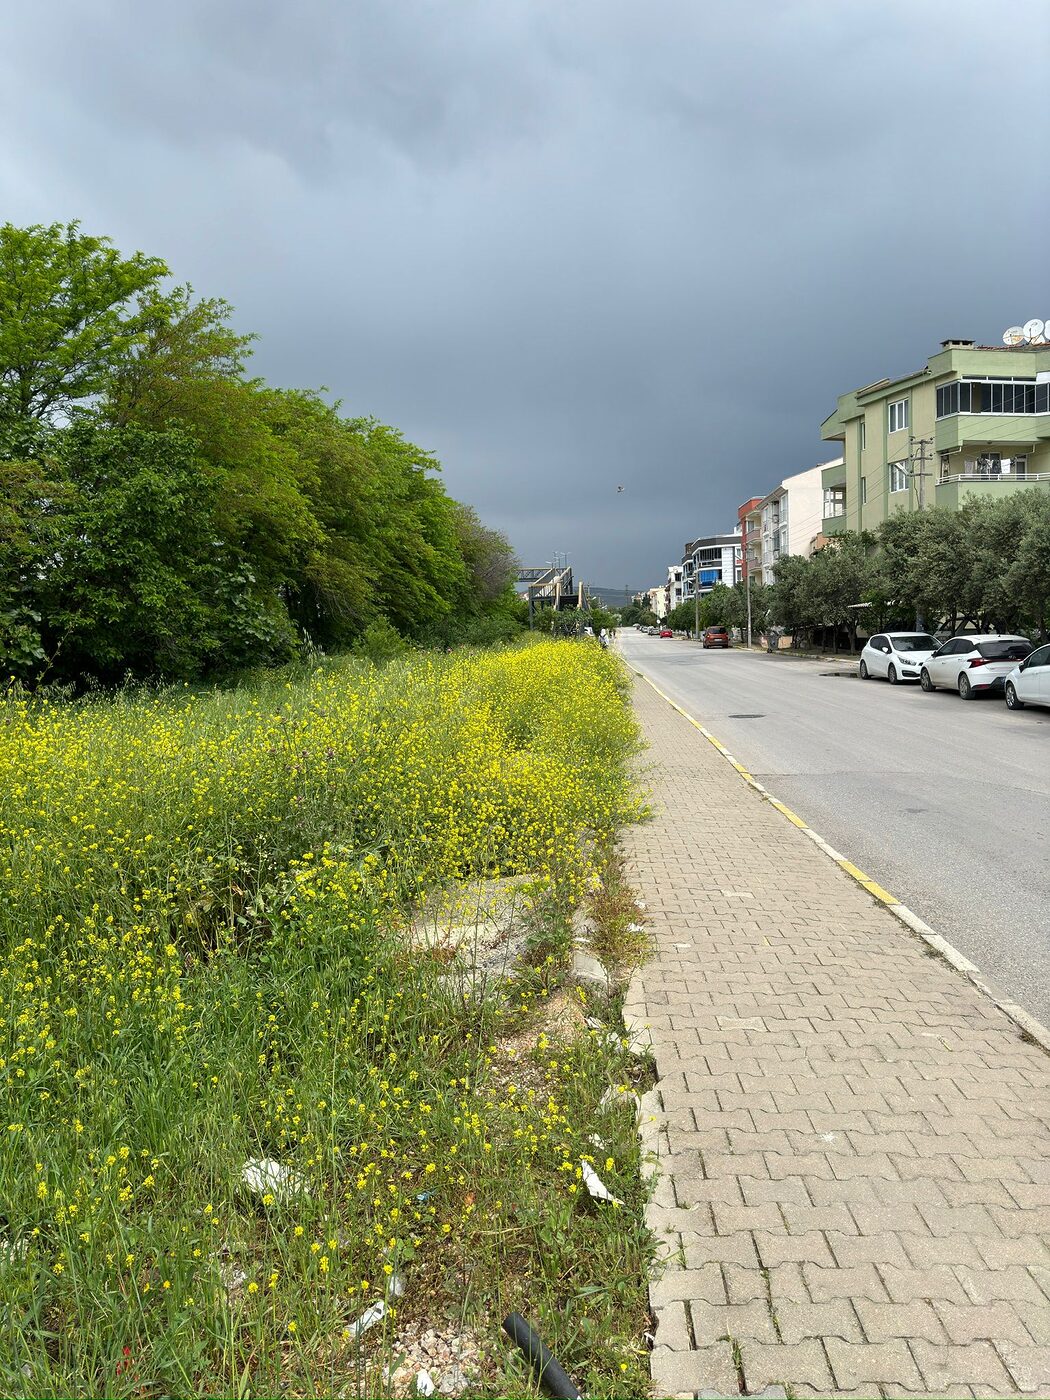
(1029, 683)
(974, 665)
(897, 656)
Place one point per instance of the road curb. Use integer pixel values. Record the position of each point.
(1031, 1028)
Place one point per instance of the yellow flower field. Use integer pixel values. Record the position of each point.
(203, 905)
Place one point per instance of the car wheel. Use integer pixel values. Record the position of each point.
(924, 680)
(1012, 702)
(891, 674)
(864, 670)
(965, 688)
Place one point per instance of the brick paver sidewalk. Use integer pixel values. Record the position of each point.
(854, 1143)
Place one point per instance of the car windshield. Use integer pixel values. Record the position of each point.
(921, 641)
(1004, 651)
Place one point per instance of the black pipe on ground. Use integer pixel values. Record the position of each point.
(546, 1367)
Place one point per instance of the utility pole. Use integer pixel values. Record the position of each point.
(921, 474)
(747, 590)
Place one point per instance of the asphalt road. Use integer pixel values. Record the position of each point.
(946, 803)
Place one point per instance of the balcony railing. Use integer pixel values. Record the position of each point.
(1021, 477)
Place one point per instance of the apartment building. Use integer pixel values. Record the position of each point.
(790, 518)
(786, 521)
(975, 420)
(656, 601)
(749, 520)
(674, 586)
(709, 561)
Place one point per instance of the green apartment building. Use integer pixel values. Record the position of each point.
(974, 421)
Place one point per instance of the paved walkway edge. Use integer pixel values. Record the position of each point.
(1020, 1017)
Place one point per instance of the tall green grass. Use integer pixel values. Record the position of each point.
(206, 960)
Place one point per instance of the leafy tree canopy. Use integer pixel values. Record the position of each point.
(72, 311)
(167, 514)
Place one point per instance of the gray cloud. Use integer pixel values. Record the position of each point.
(565, 246)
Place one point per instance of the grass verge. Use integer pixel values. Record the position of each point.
(207, 961)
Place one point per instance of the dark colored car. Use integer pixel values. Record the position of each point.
(716, 637)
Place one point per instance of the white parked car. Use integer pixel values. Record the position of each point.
(974, 665)
(897, 656)
(1029, 683)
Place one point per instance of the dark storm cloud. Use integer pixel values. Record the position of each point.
(565, 246)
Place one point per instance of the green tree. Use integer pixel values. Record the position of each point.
(719, 607)
(136, 585)
(32, 500)
(682, 617)
(72, 311)
(1028, 574)
(635, 613)
(761, 605)
(926, 562)
(841, 578)
(166, 514)
(790, 603)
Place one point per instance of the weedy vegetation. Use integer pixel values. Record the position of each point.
(206, 908)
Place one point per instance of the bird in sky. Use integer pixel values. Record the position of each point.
(619, 489)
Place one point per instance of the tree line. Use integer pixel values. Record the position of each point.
(164, 513)
(985, 566)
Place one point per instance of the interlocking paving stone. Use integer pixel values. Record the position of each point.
(855, 1143)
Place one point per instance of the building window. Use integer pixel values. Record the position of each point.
(863, 434)
(1002, 396)
(898, 415)
(954, 398)
(834, 501)
(899, 476)
(1010, 398)
(864, 490)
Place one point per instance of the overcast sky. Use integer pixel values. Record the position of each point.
(567, 245)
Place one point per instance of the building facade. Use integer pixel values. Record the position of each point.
(975, 420)
(674, 586)
(709, 561)
(787, 521)
(749, 521)
(656, 601)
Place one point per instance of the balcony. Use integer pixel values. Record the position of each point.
(952, 490)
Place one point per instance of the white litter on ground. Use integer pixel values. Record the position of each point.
(596, 1187)
(266, 1177)
(368, 1319)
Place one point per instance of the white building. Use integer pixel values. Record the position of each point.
(709, 561)
(657, 600)
(791, 517)
(673, 587)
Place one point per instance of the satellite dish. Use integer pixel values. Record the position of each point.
(1032, 330)
(1014, 336)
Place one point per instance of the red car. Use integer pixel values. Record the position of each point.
(716, 637)
(666, 632)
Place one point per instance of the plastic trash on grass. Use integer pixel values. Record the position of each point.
(265, 1177)
(596, 1187)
